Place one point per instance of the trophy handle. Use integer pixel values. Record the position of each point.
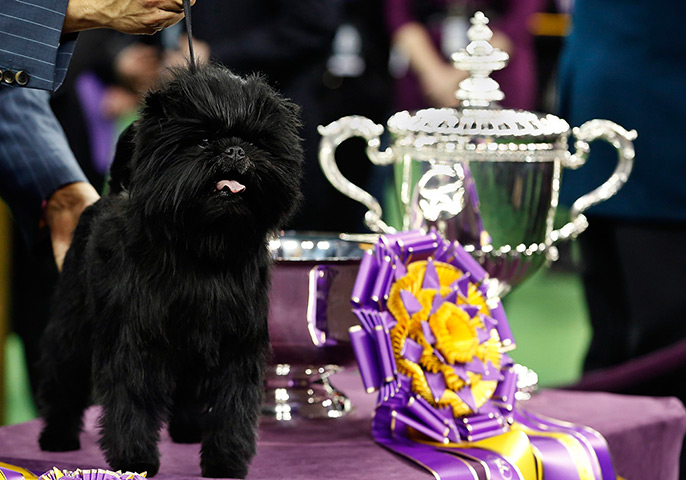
(622, 141)
(332, 136)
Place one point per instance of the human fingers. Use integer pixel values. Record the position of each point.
(161, 20)
(174, 5)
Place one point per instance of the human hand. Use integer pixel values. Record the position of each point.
(62, 212)
(439, 85)
(127, 16)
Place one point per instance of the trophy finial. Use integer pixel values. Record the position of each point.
(479, 29)
(479, 59)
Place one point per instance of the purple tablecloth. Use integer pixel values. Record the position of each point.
(644, 434)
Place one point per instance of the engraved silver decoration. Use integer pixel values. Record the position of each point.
(486, 176)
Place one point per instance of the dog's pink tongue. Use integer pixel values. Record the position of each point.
(232, 185)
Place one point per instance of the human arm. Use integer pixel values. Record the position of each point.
(37, 167)
(438, 79)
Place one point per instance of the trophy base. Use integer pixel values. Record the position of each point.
(303, 392)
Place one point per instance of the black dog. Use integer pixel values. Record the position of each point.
(161, 310)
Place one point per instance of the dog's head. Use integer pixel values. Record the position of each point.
(216, 153)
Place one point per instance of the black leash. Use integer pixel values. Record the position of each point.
(189, 32)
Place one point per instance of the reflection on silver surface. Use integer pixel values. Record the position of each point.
(440, 193)
(293, 246)
(303, 392)
(527, 382)
(501, 208)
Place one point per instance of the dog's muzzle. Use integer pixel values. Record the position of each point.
(236, 159)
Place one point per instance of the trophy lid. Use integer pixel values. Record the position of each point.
(480, 125)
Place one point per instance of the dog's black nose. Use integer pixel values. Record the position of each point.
(235, 153)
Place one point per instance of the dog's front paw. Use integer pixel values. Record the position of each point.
(56, 440)
(151, 466)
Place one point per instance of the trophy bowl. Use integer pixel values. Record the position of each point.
(480, 174)
(309, 317)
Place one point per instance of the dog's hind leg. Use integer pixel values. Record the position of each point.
(63, 393)
(235, 399)
(134, 388)
(65, 376)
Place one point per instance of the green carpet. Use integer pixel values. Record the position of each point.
(547, 315)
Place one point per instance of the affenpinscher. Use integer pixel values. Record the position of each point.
(161, 309)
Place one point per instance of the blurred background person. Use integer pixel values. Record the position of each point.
(426, 32)
(623, 61)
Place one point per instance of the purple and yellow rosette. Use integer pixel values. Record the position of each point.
(434, 347)
(13, 472)
(90, 474)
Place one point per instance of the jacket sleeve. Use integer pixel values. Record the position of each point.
(35, 158)
(33, 51)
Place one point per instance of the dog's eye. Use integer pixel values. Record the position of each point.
(204, 143)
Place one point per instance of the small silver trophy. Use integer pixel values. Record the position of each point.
(486, 176)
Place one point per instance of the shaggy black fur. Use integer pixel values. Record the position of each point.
(161, 310)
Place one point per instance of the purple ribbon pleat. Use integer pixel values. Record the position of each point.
(412, 350)
(425, 412)
(428, 333)
(387, 320)
(462, 285)
(365, 350)
(444, 251)
(506, 389)
(385, 351)
(466, 263)
(383, 282)
(502, 327)
(471, 310)
(410, 302)
(431, 276)
(365, 280)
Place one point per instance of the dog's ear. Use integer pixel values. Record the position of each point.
(120, 169)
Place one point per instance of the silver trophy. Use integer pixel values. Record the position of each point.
(309, 317)
(486, 176)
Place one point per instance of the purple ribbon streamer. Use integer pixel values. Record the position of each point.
(594, 443)
(11, 474)
(555, 457)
